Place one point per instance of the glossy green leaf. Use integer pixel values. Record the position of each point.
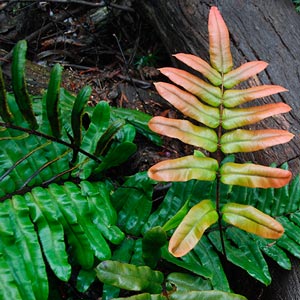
(242, 140)
(144, 296)
(77, 113)
(128, 199)
(5, 112)
(84, 279)
(196, 268)
(185, 131)
(232, 98)
(252, 220)
(19, 84)
(187, 282)
(184, 169)
(27, 241)
(201, 66)
(153, 240)
(191, 229)
(175, 204)
(237, 117)
(13, 254)
(130, 277)
(52, 98)
(97, 127)
(294, 195)
(243, 73)
(50, 230)
(290, 245)
(292, 229)
(83, 213)
(252, 175)
(198, 87)
(208, 257)
(219, 43)
(116, 156)
(205, 295)
(189, 105)
(122, 254)
(176, 219)
(243, 252)
(8, 285)
(107, 137)
(272, 250)
(139, 120)
(103, 214)
(80, 246)
(137, 255)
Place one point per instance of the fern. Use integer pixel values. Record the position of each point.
(64, 226)
(53, 215)
(68, 220)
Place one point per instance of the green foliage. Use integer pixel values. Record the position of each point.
(64, 226)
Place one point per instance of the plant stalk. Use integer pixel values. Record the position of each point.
(218, 178)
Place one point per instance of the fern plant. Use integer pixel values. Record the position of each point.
(61, 212)
(57, 138)
(246, 195)
(213, 105)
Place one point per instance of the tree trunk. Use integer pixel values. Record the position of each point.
(259, 30)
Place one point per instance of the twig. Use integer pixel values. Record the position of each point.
(141, 83)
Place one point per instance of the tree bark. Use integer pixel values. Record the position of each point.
(259, 30)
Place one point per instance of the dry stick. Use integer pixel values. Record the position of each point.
(35, 34)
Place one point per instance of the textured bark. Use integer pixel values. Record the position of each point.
(265, 30)
(259, 30)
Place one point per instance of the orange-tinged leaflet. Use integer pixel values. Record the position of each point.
(184, 169)
(219, 43)
(232, 98)
(189, 105)
(189, 232)
(185, 131)
(201, 66)
(255, 176)
(208, 93)
(238, 117)
(242, 140)
(243, 73)
(252, 220)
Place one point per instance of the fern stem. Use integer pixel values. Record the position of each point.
(39, 170)
(218, 180)
(51, 138)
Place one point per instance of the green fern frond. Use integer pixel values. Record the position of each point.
(69, 224)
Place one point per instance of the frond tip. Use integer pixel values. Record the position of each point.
(219, 43)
